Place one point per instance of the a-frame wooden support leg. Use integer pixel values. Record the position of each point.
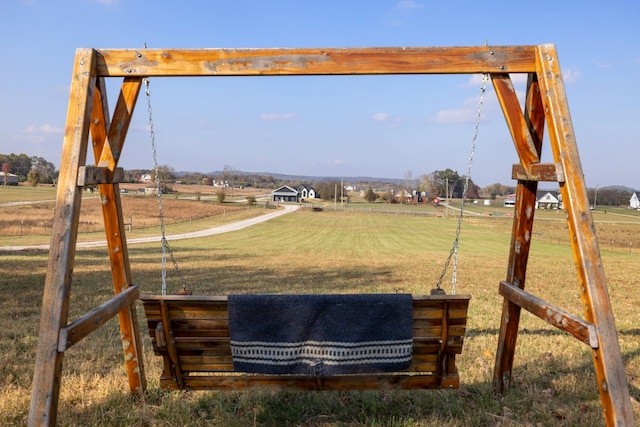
(108, 139)
(86, 113)
(598, 315)
(607, 358)
(57, 291)
(527, 131)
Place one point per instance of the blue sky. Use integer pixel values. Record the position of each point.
(380, 126)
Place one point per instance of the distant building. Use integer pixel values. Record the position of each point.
(150, 191)
(307, 192)
(285, 194)
(549, 200)
(295, 195)
(11, 179)
(634, 201)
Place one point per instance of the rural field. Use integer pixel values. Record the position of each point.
(362, 248)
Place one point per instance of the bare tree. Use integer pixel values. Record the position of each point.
(6, 167)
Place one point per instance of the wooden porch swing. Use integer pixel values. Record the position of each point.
(193, 334)
(178, 323)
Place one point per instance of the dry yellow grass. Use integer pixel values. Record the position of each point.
(142, 211)
(554, 383)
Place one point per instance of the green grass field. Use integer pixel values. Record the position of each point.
(335, 252)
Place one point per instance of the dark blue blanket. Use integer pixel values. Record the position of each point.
(321, 334)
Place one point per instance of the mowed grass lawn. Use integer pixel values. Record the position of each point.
(333, 252)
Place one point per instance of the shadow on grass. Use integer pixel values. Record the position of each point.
(291, 408)
(223, 277)
(535, 400)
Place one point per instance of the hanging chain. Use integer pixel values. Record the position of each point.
(165, 243)
(453, 254)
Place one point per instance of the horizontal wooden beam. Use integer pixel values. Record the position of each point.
(315, 61)
(94, 175)
(552, 172)
(581, 329)
(80, 328)
(382, 381)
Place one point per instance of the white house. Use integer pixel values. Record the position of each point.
(307, 192)
(634, 201)
(549, 200)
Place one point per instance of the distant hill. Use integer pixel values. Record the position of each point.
(285, 177)
(620, 188)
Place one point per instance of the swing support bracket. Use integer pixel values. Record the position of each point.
(94, 175)
(551, 172)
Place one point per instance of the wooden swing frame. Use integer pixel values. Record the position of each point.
(88, 115)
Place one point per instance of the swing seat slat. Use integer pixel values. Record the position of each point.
(191, 334)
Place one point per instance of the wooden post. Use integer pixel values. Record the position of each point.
(527, 138)
(57, 290)
(108, 140)
(607, 358)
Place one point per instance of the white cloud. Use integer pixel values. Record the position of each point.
(408, 5)
(571, 74)
(39, 134)
(402, 10)
(277, 116)
(455, 115)
(466, 113)
(46, 129)
(381, 117)
(475, 80)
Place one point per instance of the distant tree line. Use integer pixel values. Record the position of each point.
(609, 196)
(498, 190)
(440, 183)
(28, 168)
(447, 183)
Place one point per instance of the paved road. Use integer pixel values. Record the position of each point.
(239, 225)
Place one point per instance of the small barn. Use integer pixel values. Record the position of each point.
(634, 201)
(285, 194)
(150, 191)
(9, 179)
